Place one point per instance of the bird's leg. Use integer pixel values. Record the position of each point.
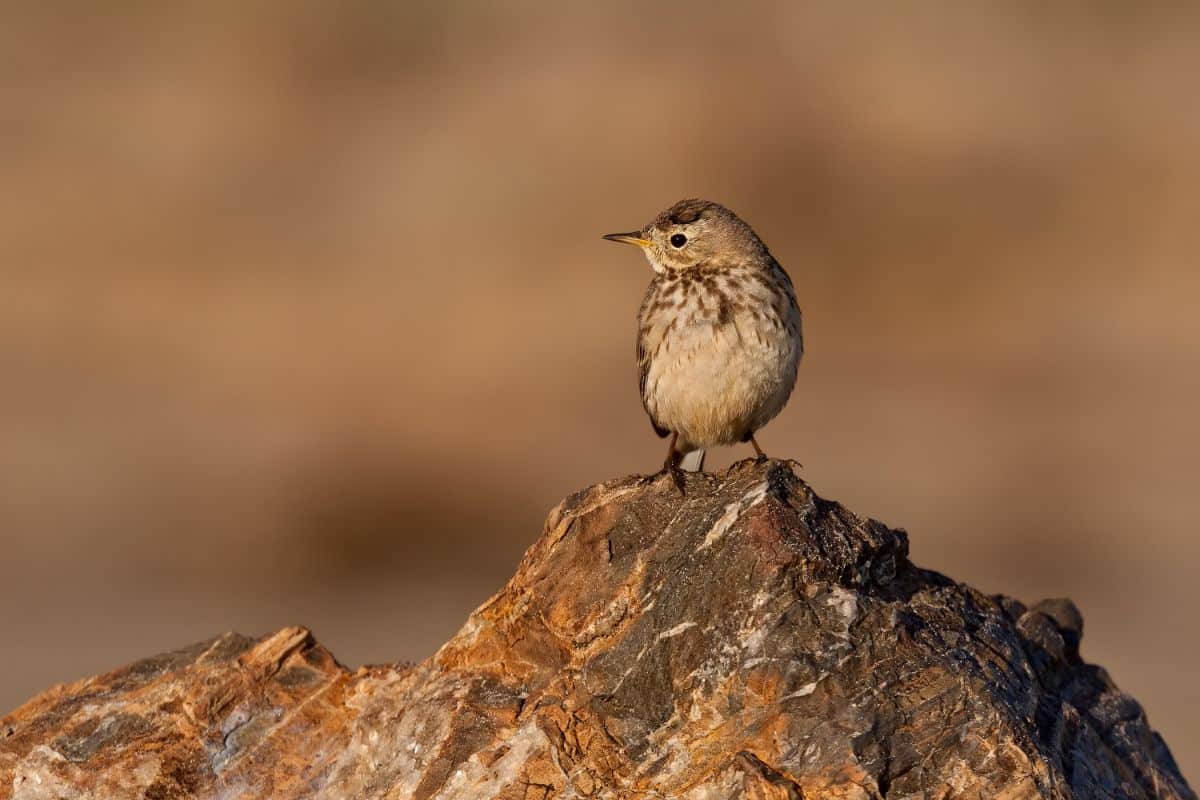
(672, 456)
(672, 463)
(758, 450)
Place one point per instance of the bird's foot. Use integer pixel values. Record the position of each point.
(675, 472)
(676, 477)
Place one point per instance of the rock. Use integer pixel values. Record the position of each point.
(748, 640)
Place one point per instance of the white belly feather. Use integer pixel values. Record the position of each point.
(715, 384)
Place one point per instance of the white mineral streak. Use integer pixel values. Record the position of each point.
(45, 774)
(680, 759)
(27, 783)
(753, 632)
(623, 606)
(732, 512)
(845, 602)
(389, 740)
(474, 779)
(672, 632)
(667, 634)
(605, 622)
(761, 598)
(753, 641)
(726, 786)
(236, 790)
(803, 691)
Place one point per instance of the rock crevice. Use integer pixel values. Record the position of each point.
(748, 639)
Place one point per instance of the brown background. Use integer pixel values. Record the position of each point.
(305, 317)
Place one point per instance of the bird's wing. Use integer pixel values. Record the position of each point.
(643, 361)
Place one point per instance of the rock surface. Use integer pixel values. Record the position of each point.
(747, 640)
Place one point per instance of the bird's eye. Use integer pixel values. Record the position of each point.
(678, 240)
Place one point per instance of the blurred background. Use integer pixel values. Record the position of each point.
(305, 316)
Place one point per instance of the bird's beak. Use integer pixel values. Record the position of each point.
(634, 237)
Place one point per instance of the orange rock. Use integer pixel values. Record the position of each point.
(746, 640)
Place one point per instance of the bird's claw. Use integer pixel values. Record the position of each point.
(675, 473)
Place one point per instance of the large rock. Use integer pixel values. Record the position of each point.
(746, 640)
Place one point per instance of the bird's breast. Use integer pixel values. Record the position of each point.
(716, 365)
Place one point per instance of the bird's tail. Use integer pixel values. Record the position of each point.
(692, 461)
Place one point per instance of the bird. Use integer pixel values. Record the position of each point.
(719, 331)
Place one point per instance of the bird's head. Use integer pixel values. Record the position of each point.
(694, 232)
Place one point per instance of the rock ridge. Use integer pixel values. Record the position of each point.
(746, 639)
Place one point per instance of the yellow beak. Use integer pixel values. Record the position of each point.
(634, 237)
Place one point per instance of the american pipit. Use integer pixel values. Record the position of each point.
(718, 332)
